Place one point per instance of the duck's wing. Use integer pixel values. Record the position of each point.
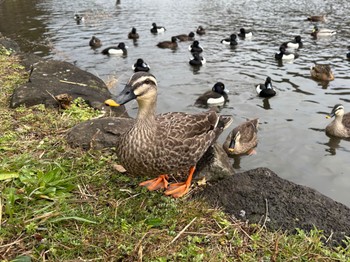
(248, 131)
(346, 120)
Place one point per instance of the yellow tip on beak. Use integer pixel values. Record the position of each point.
(231, 149)
(111, 102)
(328, 117)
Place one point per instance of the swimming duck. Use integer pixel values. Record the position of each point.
(317, 32)
(243, 34)
(230, 41)
(197, 60)
(340, 126)
(283, 55)
(168, 44)
(216, 96)
(200, 30)
(95, 42)
(266, 89)
(185, 37)
(166, 144)
(195, 47)
(157, 29)
(115, 50)
(322, 72)
(140, 65)
(242, 139)
(133, 34)
(79, 18)
(295, 44)
(316, 18)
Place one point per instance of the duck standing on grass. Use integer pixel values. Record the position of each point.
(242, 138)
(340, 126)
(266, 89)
(166, 144)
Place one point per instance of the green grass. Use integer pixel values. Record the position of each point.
(64, 204)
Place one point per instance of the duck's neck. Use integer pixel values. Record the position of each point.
(147, 112)
(338, 120)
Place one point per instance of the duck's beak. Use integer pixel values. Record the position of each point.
(111, 102)
(231, 147)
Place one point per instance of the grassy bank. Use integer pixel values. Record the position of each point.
(61, 204)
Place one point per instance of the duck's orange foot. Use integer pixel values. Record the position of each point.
(177, 189)
(251, 152)
(156, 183)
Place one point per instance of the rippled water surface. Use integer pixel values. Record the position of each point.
(292, 141)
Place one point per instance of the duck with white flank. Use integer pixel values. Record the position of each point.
(166, 144)
(230, 41)
(284, 55)
(322, 32)
(115, 50)
(266, 89)
(195, 47)
(157, 29)
(243, 138)
(295, 44)
(217, 96)
(340, 126)
(140, 65)
(244, 34)
(197, 60)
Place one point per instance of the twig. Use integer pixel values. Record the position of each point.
(44, 216)
(182, 231)
(14, 242)
(266, 214)
(73, 83)
(329, 238)
(205, 234)
(275, 253)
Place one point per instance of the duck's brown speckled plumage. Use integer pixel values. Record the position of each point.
(340, 126)
(248, 138)
(169, 143)
(322, 72)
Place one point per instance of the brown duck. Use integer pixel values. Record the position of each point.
(160, 145)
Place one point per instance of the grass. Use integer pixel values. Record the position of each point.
(64, 204)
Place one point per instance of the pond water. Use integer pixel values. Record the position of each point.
(292, 141)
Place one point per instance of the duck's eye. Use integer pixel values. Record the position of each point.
(147, 81)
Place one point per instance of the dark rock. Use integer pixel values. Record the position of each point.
(9, 44)
(98, 133)
(51, 78)
(249, 195)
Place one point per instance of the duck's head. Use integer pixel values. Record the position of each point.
(133, 30)
(121, 45)
(139, 61)
(154, 25)
(219, 87)
(141, 86)
(191, 34)
(338, 110)
(298, 39)
(233, 37)
(315, 29)
(268, 82)
(242, 31)
(173, 39)
(195, 43)
(282, 49)
(196, 56)
(234, 139)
